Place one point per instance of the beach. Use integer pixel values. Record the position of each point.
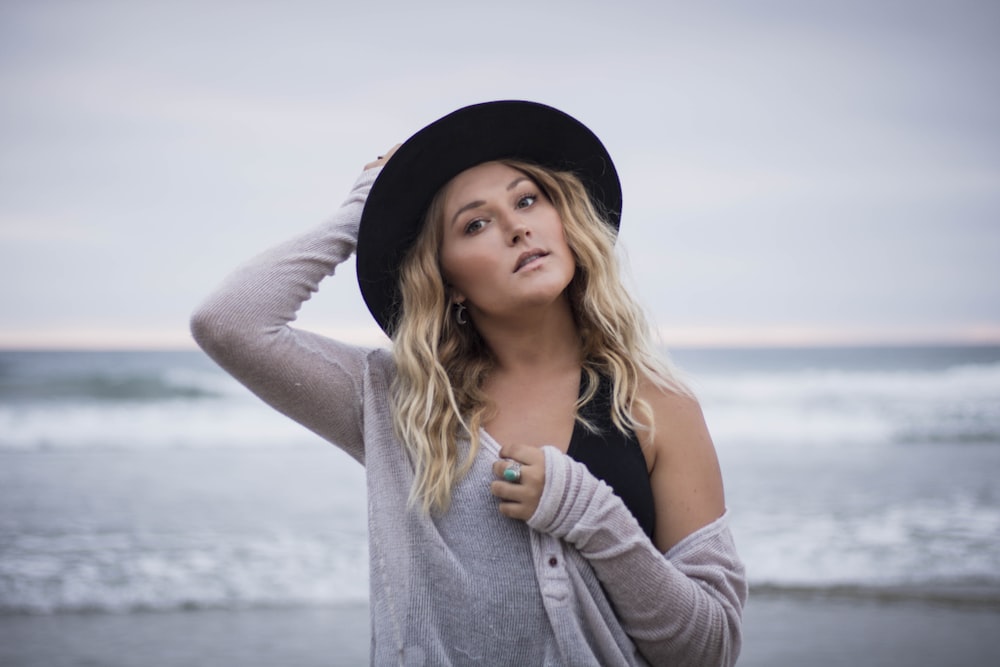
(153, 512)
(778, 632)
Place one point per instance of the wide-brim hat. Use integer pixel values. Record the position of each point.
(398, 201)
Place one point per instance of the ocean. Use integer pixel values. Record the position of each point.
(151, 481)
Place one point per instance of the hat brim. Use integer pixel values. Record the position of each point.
(398, 201)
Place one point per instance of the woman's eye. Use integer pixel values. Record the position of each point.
(474, 226)
(526, 201)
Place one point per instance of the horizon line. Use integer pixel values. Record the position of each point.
(674, 337)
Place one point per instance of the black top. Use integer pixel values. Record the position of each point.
(614, 457)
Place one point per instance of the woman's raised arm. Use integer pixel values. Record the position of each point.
(245, 326)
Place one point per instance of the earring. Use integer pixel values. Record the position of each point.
(460, 314)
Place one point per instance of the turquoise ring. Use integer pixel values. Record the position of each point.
(512, 473)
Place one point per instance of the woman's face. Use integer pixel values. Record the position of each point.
(503, 248)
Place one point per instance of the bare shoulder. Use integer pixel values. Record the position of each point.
(684, 470)
(678, 420)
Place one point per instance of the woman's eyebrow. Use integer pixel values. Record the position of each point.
(517, 180)
(471, 204)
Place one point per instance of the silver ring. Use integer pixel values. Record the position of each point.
(512, 473)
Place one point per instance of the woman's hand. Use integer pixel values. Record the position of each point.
(382, 159)
(519, 500)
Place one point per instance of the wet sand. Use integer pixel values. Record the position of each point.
(779, 631)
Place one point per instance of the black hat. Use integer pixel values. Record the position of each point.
(427, 161)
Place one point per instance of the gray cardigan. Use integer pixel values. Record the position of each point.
(578, 584)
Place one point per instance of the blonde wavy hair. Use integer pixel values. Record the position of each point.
(437, 396)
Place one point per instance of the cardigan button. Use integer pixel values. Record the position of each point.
(553, 561)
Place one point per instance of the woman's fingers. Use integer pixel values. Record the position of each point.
(509, 470)
(511, 493)
(524, 454)
(520, 480)
(382, 159)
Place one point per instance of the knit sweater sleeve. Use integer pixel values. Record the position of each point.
(245, 326)
(680, 608)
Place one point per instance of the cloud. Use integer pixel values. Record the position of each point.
(785, 165)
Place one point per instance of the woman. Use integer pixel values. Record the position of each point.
(542, 490)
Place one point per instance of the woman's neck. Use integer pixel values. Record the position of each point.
(535, 341)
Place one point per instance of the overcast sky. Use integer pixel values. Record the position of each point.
(791, 173)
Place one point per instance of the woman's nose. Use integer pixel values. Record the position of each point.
(518, 233)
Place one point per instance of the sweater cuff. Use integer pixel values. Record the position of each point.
(570, 492)
(348, 217)
(366, 178)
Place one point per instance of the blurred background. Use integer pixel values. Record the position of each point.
(811, 218)
(793, 172)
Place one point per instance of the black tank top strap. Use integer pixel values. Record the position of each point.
(614, 457)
